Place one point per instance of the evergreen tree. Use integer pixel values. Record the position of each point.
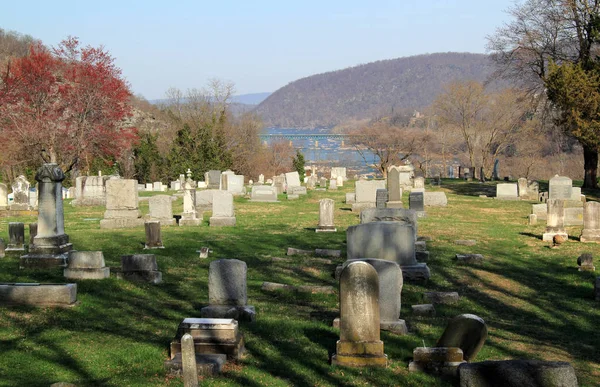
(148, 162)
(298, 164)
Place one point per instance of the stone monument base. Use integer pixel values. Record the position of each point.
(121, 223)
(326, 229)
(415, 273)
(436, 360)
(206, 364)
(222, 221)
(38, 294)
(359, 206)
(17, 213)
(397, 327)
(100, 273)
(190, 222)
(360, 354)
(239, 313)
(152, 276)
(549, 235)
(396, 204)
(42, 261)
(590, 236)
(211, 336)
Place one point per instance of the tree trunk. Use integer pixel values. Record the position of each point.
(590, 166)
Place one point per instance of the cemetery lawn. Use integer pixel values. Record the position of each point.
(535, 302)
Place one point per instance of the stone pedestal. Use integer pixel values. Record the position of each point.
(211, 336)
(326, 209)
(555, 220)
(189, 217)
(359, 344)
(437, 360)
(86, 265)
(51, 245)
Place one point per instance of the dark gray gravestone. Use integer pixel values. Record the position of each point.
(381, 197)
(517, 373)
(467, 332)
(416, 202)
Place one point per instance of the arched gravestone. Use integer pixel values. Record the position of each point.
(467, 332)
(391, 241)
(359, 344)
(390, 294)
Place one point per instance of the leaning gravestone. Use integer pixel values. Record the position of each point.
(121, 205)
(20, 188)
(161, 209)
(222, 210)
(227, 291)
(359, 344)
(390, 294)
(555, 222)
(51, 245)
(392, 241)
(591, 222)
(561, 187)
(292, 179)
(467, 332)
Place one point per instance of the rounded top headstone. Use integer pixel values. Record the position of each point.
(467, 332)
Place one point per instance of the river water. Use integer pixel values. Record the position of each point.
(328, 152)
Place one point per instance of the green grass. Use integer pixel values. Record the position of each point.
(535, 302)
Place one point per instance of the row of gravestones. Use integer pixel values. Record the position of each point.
(24, 198)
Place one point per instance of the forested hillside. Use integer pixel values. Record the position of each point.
(369, 90)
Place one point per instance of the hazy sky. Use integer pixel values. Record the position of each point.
(260, 45)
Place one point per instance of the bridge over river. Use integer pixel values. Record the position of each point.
(297, 136)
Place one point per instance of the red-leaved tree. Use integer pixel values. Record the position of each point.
(66, 106)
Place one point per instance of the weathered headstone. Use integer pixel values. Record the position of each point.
(467, 332)
(227, 291)
(86, 265)
(555, 220)
(586, 262)
(222, 210)
(381, 198)
(213, 179)
(140, 267)
(517, 373)
(20, 190)
(3, 196)
(507, 191)
(394, 188)
(350, 198)
(161, 209)
(366, 194)
(419, 182)
(90, 191)
(204, 199)
(402, 215)
(261, 178)
(153, 235)
(406, 176)
(561, 187)
(157, 186)
(360, 344)
(591, 222)
(333, 185)
(121, 205)
(326, 210)
(264, 193)
(435, 199)
(189, 216)
(16, 237)
(33, 228)
(188, 361)
(392, 241)
(51, 244)
(292, 179)
(38, 294)
(416, 202)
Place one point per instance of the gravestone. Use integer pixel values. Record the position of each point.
(390, 294)
(586, 262)
(366, 194)
(204, 199)
(38, 294)
(157, 186)
(359, 344)
(161, 209)
(90, 191)
(148, 186)
(235, 184)
(394, 188)
(227, 291)
(350, 198)
(189, 216)
(401, 215)
(450, 172)
(86, 265)
(326, 210)
(225, 178)
(16, 237)
(555, 220)
(507, 191)
(279, 184)
(561, 187)
(392, 241)
(296, 190)
(591, 222)
(121, 205)
(223, 214)
(261, 178)
(522, 188)
(213, 179)
(153, 236)
(381, 198)
(292, 179)
(263, 193)
(416, 202)
(339, 172)
(175, 185)
(496, 171)
(517, 373)
(406, 176)
(435, 199)
(20, 191)
(188, 361)
(140, 268)
(333, 185)
(467, 332)
(419, 182)
(51, 245)
(3, 196)
(32, 232)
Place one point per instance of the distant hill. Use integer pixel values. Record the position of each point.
(250, 99)
(369, 90)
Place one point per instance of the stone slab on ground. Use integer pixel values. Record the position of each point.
(423, 310)
(517, 373)
(38, 294)
(294, 251)
(469, 258)
(465, 242)
(206, 364)
(441, 297)
(328, 253)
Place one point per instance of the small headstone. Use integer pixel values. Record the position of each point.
(360, 344)
(16, 237)
(586, 262)
(86, 265)
(555, 220)
(20, 191)
(188, 361)
(467, 332)
(469, 258)
(561, 187)
(264, 193)
(293, 251)
(328, 253)
(203, 252)
(38, 294)
(435, 199)
(227, 292)
(591, 222)
(326, 210)
(222, 210)
(532, 219)
(33, 228)
(350, 198)
(394, 188)
(161, 209)
(416, 203)
(381, 198)
(140, 267)
(419, 182)
(293, 196)
(153, 236)
(507, 191)
(465, 242)
(333, 185)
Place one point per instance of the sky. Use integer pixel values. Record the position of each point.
(259, 45)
